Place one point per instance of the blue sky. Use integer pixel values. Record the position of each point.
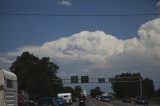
(35, 30)
(84, 45)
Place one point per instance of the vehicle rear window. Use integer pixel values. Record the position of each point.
(66, 96)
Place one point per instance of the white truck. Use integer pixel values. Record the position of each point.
(8, 88)
(84, 93)
(67, 97)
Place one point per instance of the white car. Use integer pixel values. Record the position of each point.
(67, 97)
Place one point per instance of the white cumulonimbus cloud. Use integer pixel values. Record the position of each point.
(87, 46)
(158, 6)
(98, 46)
(150, 37)
(95, 51)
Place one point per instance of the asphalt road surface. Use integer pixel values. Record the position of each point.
(94, 102)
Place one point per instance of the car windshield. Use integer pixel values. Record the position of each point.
(107, 97)
(141, 98)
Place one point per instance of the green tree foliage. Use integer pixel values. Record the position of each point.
(68, 89)
(96, 91)
(157, 92)
(34, 75)
(77, 91)
(122, 87)
(148, 87)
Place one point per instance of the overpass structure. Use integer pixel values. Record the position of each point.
(86, 79)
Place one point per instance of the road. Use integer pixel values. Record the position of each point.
(94, 102)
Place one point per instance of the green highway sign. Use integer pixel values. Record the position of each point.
(84, 79)
(74, 79)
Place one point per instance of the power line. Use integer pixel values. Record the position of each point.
(101, 15)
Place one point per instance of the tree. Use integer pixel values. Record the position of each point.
(123, 87)
(148, 87)
(35, 75)
(126, 88)
(68, 89)
(96, 91)
(77, 91)
(157, 92)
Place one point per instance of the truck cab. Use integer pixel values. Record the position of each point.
(8, 88)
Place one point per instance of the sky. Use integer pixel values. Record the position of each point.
(98, 38)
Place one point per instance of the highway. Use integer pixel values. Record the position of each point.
(94, 102)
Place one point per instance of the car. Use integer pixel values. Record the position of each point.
(46, 101)
(75, 99)
(141, 100)
(59, 101)
(67, 97)
(126, 99)
(98, 98)
(106, 98)
(30, 103)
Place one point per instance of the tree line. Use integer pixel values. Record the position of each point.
(35, 76)
(127, 84)
(135, 85)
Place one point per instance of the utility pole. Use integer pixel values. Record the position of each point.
(141, 92)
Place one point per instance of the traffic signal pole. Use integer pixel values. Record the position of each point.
(140, 83)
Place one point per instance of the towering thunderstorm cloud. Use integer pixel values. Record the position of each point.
(99, 51)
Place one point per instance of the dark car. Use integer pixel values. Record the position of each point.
(126, 99)
(106, 98)
(98, 98)
(141, 100)
(59, 101)
(46, 101)
(30, 103)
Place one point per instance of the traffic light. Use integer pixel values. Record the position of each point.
(101, 80)
(84, 79)
(74, 79)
